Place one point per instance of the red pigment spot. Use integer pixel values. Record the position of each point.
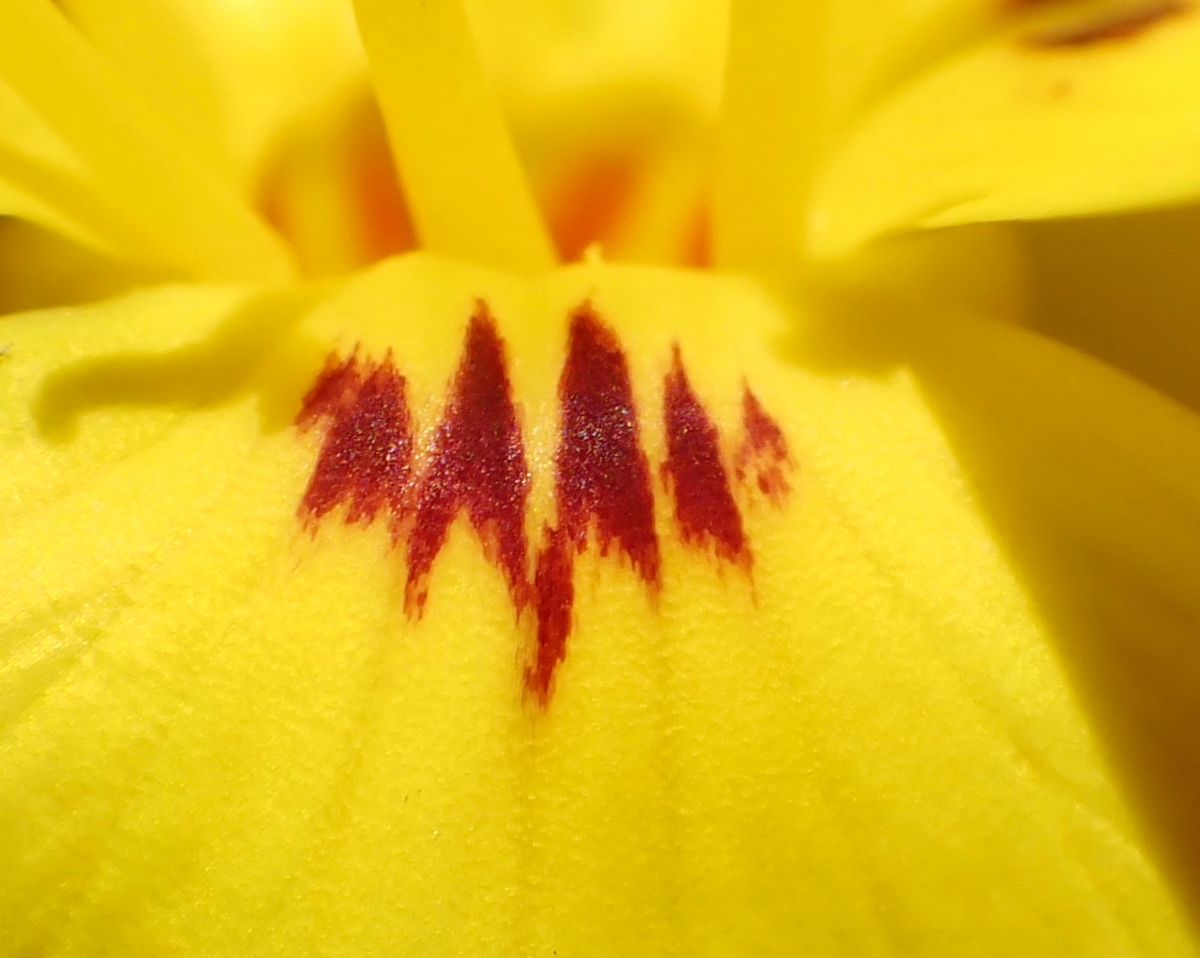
(1119, 25)
(334, 389)
(762, 459)
(704, 507)
(477, 464)
(366, 458)
(602, 485)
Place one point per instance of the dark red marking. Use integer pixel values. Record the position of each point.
(477, 464)
(1118, 25)
(335, 388)
(366, 458)
(704, 507)
(762, 461)
(602, 485)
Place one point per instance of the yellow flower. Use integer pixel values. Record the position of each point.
(470, 604)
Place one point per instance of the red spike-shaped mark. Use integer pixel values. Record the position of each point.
(366, 458)
(704, 507)
(334, 389)
(477, 465)
(602, 485)
(762, 460)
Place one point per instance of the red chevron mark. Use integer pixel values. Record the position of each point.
(707, 516)
(365, 461)
(477, 465)
(602, 486)
(762, 461)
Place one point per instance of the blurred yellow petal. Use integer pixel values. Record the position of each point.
(549, 59)
(227, 75)
(1075, 110)
(41, 179)
(612, 106)
(39, 268)
(142, 191)
(463, 181)
(332, 191)
(222, 734)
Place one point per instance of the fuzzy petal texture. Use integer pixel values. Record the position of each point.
(221, 734)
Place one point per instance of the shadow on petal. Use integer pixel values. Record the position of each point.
(1090, 482)
(196, 376)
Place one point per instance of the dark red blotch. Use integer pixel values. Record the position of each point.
(762, 461)
(477, 465)
(705, 510)
(603, 485)
(1118, 25)
(365, 461)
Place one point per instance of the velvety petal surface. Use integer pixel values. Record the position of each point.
(222, 734)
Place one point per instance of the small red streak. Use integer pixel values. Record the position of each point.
(366, 458)
(1120, 25)
(603, 485)
(704, 507)
(762, 461)
(477, 464)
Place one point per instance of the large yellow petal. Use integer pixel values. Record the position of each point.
(221, 734)
(1089, 479)
(1074, 110)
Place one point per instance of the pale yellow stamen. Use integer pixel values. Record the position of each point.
(771, 121)
(460, 171)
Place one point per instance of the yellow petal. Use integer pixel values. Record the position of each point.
(549, 60)
(227, 76)
(461, 175)
(613, 108)
(41, 269)
(1078, 110)
(1090, 478)
(153, 201)
(41, 179)
(332, 190)
(221, 733)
